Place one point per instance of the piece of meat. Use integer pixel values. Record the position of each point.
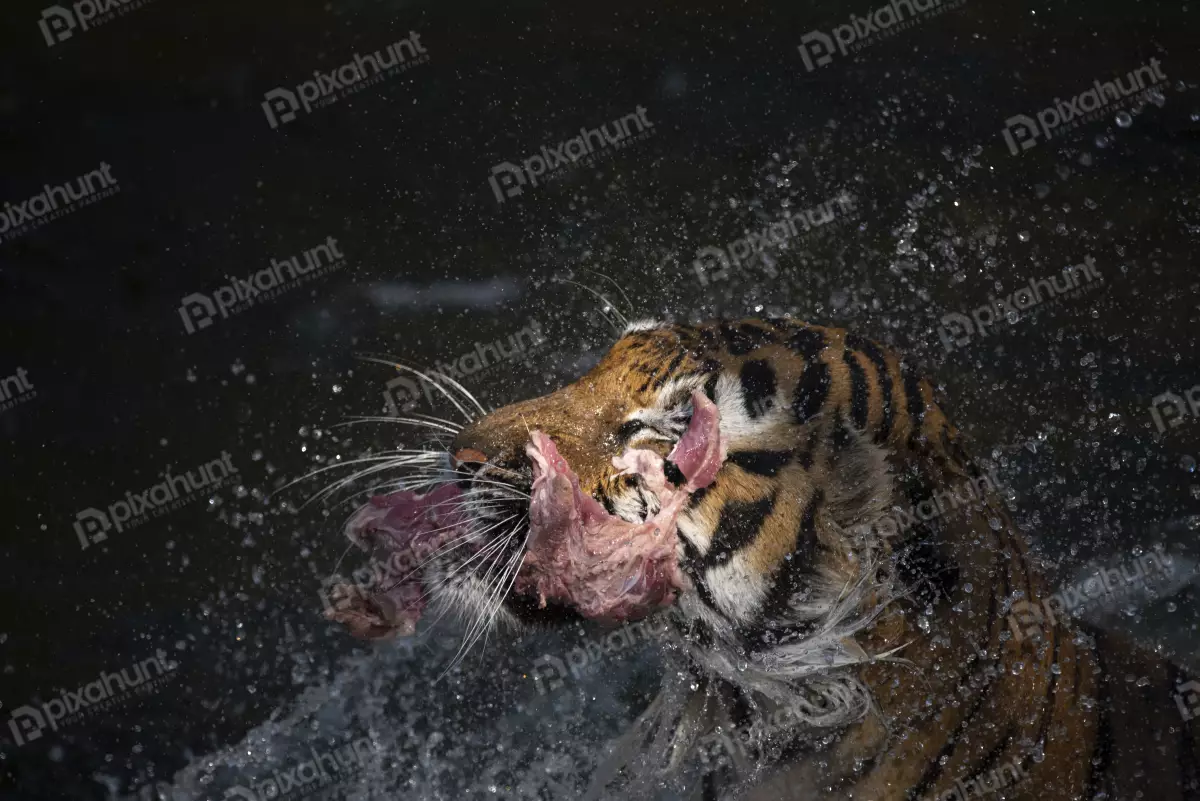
(401, 530)
(577, 553)
(603, 566)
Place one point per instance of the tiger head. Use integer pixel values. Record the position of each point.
(786, 560)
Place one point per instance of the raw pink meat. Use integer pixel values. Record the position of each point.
(603, 566)
(402, 530)
(577, 553)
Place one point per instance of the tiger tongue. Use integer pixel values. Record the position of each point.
(603, 566)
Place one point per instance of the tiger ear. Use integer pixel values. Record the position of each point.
(861, 488)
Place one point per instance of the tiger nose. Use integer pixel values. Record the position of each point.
(469, 456)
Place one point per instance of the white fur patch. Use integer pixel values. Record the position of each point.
(646, 324)
(737, 588)
(740, 429)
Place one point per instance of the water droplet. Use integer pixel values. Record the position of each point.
(1023, 236)
(1187, 463)
(1123, 119)
(337, 389)
(1102, 141)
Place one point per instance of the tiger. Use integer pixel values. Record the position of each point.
(850, 570)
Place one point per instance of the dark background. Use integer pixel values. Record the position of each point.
(169, 95)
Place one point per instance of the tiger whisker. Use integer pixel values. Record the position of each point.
(435, 384)
(614, 283)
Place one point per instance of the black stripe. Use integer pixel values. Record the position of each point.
(671, 368)
(673, 473)
(991, 759)
(1185, 754)
(808, 343)
(805, 456)
(841, 437)
(876, 355)
(790, 577)
(758, 386)
(698, 496)
(858, 392)
(737, 527)
(743, 338)
(1047, 709)
(811, 392)
(692, 561)
(761, 463)
(934, 771)
(1102, 754)
(913, 399)
(958, 454)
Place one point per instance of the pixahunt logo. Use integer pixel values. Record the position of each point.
(1029, 618)
(173, 492)
(59, 24)
(15, 389)
(1167, 409)
(714, 264)
(404, 391)
(322, 770)
(508, 179)
(943, 502)
(1187, 698)
(1022, 132)
(18, 219)
(199, 309)
(28, 723)
(283, 105)
(366, 580)
(982, 785)
(957, 329)
(817, 47)
(550, 672)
